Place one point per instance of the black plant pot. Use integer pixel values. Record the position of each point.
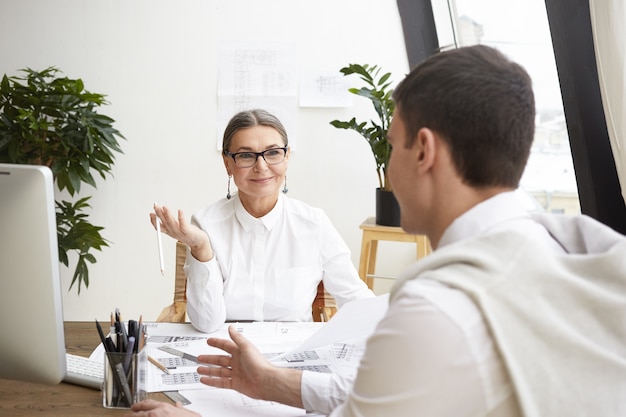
(387, 208)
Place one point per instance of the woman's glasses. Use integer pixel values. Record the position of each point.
(247, 159)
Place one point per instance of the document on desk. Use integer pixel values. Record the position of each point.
(229, 403)
(354, 321)
(271, 338)
(336, 346)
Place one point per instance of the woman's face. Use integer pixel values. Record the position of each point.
(260, 181)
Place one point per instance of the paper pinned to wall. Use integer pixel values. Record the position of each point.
(324, 89)
(257, 75)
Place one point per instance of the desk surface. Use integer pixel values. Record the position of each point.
(28, 399)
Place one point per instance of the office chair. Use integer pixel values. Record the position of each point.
(177, 311)
(323, 308)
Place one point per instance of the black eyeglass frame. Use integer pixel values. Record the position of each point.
(257, 154)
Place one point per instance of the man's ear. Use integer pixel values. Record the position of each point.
(425, 149)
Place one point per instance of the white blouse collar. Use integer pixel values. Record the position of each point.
(248, 221)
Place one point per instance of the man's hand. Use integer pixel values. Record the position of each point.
(246, 370)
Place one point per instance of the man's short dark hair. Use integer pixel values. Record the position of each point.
(481, 104)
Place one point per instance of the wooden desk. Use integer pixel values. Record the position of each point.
(372, 233)
(29, 399)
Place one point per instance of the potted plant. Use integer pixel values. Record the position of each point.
(378, 91)
(52, 121)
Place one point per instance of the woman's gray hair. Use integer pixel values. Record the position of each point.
(252, 118)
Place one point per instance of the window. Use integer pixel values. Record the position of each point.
(520, 30)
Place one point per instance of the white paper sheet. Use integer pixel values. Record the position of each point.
(353, 322)
(336, 346)
(271, 338)
(324, 89)
(229, 403)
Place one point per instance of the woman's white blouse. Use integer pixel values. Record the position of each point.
(268, 268)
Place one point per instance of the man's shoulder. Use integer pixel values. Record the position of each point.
(476, 251)
(477, 262)
(579, 233)
(497, 260)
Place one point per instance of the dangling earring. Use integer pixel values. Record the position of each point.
(228, 195)
(285, 190)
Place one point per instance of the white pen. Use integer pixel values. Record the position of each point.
(160, 243)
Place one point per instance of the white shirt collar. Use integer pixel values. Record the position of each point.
(248, 221)
(485, 216)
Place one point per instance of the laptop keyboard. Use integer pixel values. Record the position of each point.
(84, 371)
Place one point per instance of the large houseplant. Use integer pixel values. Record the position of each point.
(378, 90)
(52, 120)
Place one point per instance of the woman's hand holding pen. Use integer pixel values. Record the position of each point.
(178, 228)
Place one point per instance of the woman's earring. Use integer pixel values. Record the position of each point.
(285, 189)
(228, 195)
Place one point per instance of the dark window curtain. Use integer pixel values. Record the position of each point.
(598, 185)
(418, 25)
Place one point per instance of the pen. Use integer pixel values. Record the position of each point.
(108, 348)
(122, 330)
(106, 341)
(158, 365)
(160, 244)
(100, 332)
(129, 353)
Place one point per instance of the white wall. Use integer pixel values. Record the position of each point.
(156, 62)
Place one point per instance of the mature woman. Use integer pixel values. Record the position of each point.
(257, 254)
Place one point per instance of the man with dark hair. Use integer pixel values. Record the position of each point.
(512, 314)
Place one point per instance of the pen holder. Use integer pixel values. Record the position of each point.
(124, 379)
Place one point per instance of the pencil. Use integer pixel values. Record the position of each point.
(158, 365)
(142, 334)
(160, 243)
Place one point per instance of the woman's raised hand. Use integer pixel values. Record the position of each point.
(180, 229)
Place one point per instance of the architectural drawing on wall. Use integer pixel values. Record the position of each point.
(257, 75)
(324, 89)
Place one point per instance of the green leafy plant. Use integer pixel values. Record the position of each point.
(378, 91)
(52, 120)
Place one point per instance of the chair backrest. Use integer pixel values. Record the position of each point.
(177, 311)
(324, 305)
(323, 308)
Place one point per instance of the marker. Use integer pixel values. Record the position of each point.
(160, 243)
(100, 332)
(106, 341)
(129, 353)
